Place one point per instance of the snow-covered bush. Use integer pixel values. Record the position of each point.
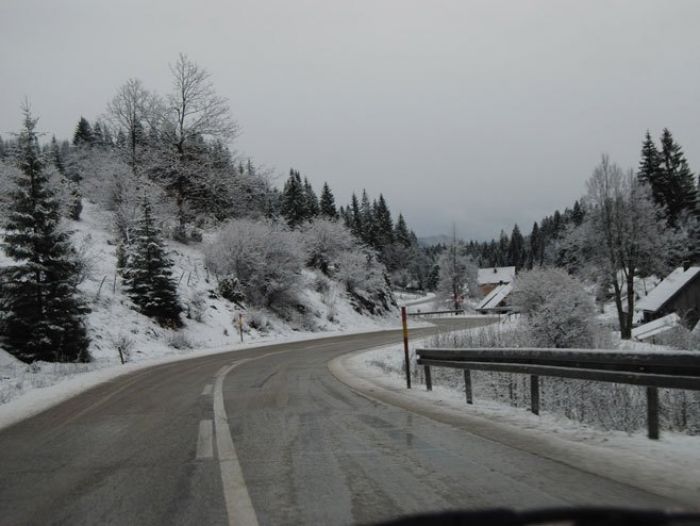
(257, 319)
(228, 288)
(560, 311)
(265, 257)
(326, 244)
(364, 279)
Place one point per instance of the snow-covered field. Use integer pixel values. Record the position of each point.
(209, 327)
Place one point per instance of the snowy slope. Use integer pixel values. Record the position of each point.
(114, 323)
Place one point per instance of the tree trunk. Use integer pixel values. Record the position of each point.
(626, 332)
(621, 317)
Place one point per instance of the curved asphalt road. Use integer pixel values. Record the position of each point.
(151, 448)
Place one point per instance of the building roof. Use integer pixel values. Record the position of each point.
(495, 275)
(494, 298)
(655, 327)
(667, 289)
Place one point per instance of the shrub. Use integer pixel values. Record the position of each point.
(265, 257)
(228, 288)
(560, 311)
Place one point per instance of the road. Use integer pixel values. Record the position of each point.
(265, 435)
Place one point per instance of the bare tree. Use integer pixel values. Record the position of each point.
(193, 109)
(194, 113)
(623, 234)
(134, 110)
(457, 273)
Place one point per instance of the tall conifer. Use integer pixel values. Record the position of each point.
(148, 273)
(327, 203)
(42, 312)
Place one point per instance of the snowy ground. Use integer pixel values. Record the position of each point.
(673, 461)
(210, 319)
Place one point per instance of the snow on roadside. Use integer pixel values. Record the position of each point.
(673, 460)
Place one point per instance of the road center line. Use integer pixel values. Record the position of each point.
(205, 440)
(239, 507)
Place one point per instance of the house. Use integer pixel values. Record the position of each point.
(679, 293)
(490, 278)
(495, 301)
(658, 326)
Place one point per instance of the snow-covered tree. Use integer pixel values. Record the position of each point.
(83, 133)
(193, 114)
(294, 203)
(132, 111)
(401, 233)
(624, 234)
(560, 311)
(310, 200)
(265, 257)
(42, 311)
(148, 272)
(677, 182)
(327, 243)
(327, 203)
(457, 276)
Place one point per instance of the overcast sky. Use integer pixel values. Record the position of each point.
(482, 113)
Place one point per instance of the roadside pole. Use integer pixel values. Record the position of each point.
(240, 325)
(404, 323)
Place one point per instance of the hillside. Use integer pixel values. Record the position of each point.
(209, 320)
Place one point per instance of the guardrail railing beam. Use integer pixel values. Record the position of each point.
(671, 370)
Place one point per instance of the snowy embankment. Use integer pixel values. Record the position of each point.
(669, 465)
(209, 321)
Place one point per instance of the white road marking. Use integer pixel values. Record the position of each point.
(220, 371)
(239, 507)
(207, 390)
(238, 504)
(205, 440)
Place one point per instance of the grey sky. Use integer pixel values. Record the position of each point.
(479, 112)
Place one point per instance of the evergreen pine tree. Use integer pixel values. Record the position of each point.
(327, 203)
(3, 152)
(649, 170)
(502, 250)
(310, 199)
(516, 248)
(42, 312)
(433, 278)
(401, 233)
(57, 156)
(366, 219)
(148, 273)
(293, 204)
(383, 224)
(679, 191)
(356, 214)
(83, 133)
(536, 246)
(578, 214)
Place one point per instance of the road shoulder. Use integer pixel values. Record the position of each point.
(628, 467)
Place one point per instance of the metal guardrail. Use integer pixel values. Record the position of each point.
(673, 370)
(436, 312)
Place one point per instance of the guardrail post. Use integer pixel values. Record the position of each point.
(404, 323)
(653, 413)
(468, 385)
(428, 378)
(535, 394)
